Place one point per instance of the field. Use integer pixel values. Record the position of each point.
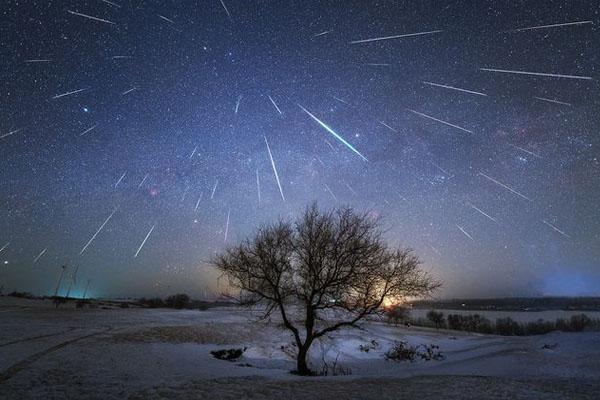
(165, 354)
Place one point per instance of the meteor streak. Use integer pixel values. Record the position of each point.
(394, 37)
(275, 104)
(527, 151)
(198, 202)
(237, 104)
(481, 212)
(530, 28)
(128, 91)
(387, 126)
(90, 17)
(504, 186)
(58, 96)
(165, 18)
(226, 10)
(274, 168)
(439, 120)
(98, 231)
(323, 33)
(10, 133)
(39, 255)
(88, 130)
(193, 152)
(212, 195)
(227, 225)
(330, 192)
(465, 232)
(120, 179)
(144, 242)
(328, 129)
(454, 88)
(506, 71)
(111, 3)
(4, 247)
(37, 61)
(553, 101)
(556, 229)
(143, 180)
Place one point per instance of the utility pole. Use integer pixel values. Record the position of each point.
(73, 280)
(86, 289)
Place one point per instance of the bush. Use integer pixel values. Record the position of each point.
(508, 327)
(228, 354)
(397, 315)
(580, 322)
(437, 317)
(178, 301)
(471, 323)
(402, 351)
(156, 302)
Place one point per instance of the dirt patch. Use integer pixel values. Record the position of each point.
(201, 334)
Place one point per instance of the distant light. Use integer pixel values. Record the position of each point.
(85, 109)
(5, 262)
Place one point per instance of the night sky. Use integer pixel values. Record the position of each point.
(170, 123)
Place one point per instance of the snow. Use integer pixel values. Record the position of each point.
(158, 353)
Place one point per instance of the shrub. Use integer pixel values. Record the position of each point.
(156, 302)
(402, 351)
(228, 354)
(397, 315)
(508, 327)
(580, 322)
(437, 317)
(178, 301)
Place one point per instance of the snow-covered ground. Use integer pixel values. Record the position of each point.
(519, 316)
(157, 353)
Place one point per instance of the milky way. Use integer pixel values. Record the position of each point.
(470, 127)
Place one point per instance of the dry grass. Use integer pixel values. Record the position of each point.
(231, 333)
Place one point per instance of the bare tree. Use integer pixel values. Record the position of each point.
(327, 271)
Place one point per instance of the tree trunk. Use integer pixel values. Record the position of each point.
(301, 365)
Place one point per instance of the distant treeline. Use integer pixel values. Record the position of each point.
(514, 304)
(501, 326)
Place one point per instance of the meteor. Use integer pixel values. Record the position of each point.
(143, 180)
(556, 229)
(275, 104)
(88, 130)
(111, 3)
(394, 37)
(274, 168)
(144, 242)
(198, 202)
(481, 212)
(530, 28)
(454, 88)
(128, 91)
(340, 100)
(323, 33)
(120, 179)
(98, 231)
(193, 152)
(165, 18)
(553, 101)
(226, 10)
(90, 17)
(439, 120)
(330, 192)
(4, 247)
(526, 151)
(506, 71)
(58, 96)
(39, 255)
(37, 61)
(387, 126)
(10, 133)
(237, 104)
(212, 195)
(465, 232)
(227, 225)
(504, 186)
(120, 57)
(328, 129)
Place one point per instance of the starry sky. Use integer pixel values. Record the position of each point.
(139, 138)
